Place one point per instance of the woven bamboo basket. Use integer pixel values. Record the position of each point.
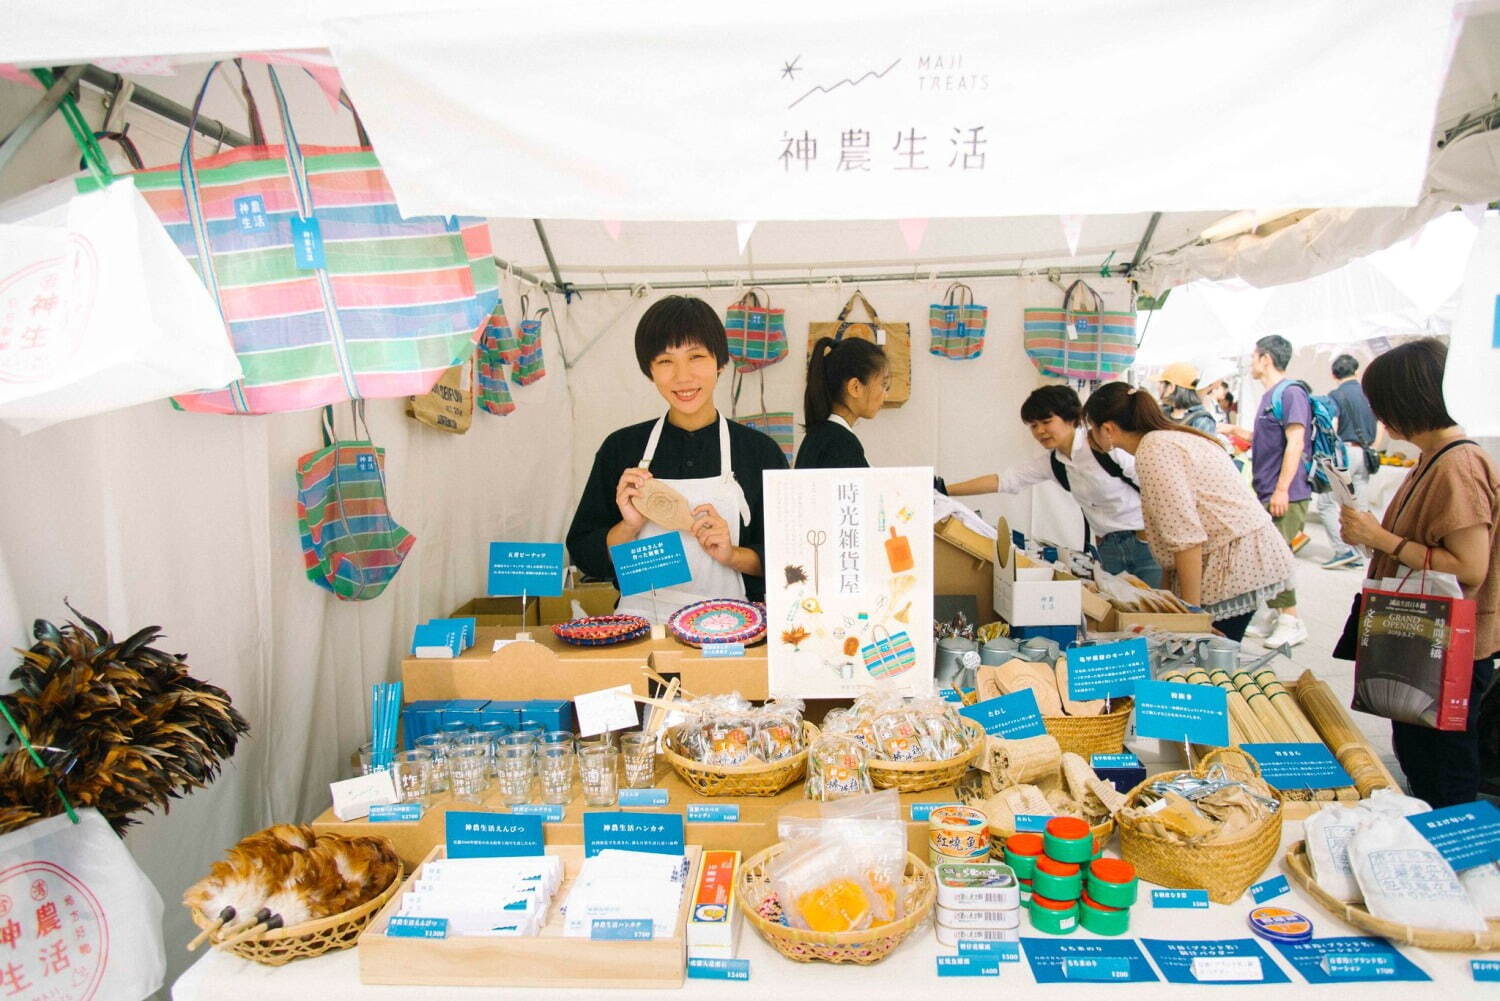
(1300, 871)
(977, 786)
(919, 776)
(311, 938)
(758, 779)
(861, 947)
(1087, 735)
(1224, 868)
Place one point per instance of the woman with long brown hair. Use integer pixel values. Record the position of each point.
(1203, 523)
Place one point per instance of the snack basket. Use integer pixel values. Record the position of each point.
(1300, 870)
(1224, 868)
(919, 776)
(1089, 735)
(310, 938)
(872, 945)
(977, 786)
(757, 779)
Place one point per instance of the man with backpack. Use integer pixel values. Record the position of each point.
(1280, 453)
(1358, 430)
(1102, 482)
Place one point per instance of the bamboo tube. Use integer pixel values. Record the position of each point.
(1338, 731)
(1240, 711)
(1269, 718)
(1287, 706)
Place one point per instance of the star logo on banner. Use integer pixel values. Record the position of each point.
(790, 69)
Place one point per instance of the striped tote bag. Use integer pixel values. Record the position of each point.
(326, 291)
(496, 350)
(1081, 340)
(776, 425)
(530, 364)
(957, 326)
(351, 545)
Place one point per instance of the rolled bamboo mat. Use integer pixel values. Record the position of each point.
(1338, 731)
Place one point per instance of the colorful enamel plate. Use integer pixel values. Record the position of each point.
(719, 620)
(602, 630)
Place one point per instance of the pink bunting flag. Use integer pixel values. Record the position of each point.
(912, 231)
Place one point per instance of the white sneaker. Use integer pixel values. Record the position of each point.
(1290, 630)
(1263, 622)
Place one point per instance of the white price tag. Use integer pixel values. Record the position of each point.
(606, 709)
(1211, 969)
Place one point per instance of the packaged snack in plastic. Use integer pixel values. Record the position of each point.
(900, 736)
(778, 731)
(837, 767)
(819, 888)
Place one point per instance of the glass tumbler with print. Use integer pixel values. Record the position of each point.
(367, 765)
(638, 752)
(599, 774)
(438, 746)
(468, 772)
(515, 767)
(413, 774)
(554, 769)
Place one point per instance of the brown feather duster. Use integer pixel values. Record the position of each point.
(122, 726)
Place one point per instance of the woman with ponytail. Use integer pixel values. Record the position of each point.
(846, 380)
(1202, 522)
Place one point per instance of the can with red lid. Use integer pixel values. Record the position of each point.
(1054, 917)
(1057, 880)
(1101, 920)
(1068, 839)
(1112, 882)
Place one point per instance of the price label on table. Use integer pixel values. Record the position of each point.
(1014, 716)
(713, 813)
(715, 650)
(967, 966)
(390, 813)
(1198, 714)
(1002, 952)
(1485, 969)
(643, 797)
(1097, 968)
(1269, 889)
(620, 930)
(551, 813)
(1196, 900)
(922, 812)
(718, 969)
(401, 927)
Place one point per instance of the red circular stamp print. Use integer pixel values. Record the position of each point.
(54, 945)
(44, 309)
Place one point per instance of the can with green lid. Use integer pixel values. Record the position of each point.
(1024, 866)
(1057, 880)
(1068, 839)
(1103, 920)
(1053, 917)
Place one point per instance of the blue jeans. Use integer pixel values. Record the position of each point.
(1123, 552)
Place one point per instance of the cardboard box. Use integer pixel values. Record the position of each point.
(597, 599)
(544, 668)
(702, 675)
(1028, 594)
(713, 930)
(491, 613)
(1177, 622)
(963, 562)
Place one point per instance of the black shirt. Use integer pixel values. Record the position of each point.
(830, 445)
(680, 455)
(1356, 419)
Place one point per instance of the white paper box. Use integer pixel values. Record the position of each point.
(1030, 595)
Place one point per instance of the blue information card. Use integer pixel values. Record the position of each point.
(967, 966)
(388, 813)
(633, 832)
(620, 930)
(1485, 969)
(1004, 952)
(1177, 712)
(400, 927)
(1467, 835)
(438, 639)
(718, 969)
(1048, 956)
(1107, 670)
(713, 813)
(1014, 716)
(1196, 900)
(1298, 766)
(922, 812)
(643, 797)
(1269, 889)
(307, 244)
(529, 568)
(653, 562)
(1174, 958)
(473, 834)
(1351, 958)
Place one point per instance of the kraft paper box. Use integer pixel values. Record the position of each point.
(597, 598)
(491, 612)
(963, 563)
(1029, 594)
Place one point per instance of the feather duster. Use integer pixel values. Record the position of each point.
(122, 726)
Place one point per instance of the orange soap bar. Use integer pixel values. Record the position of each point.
(838, 906)
(898, 552)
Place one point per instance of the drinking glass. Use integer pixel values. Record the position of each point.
(437, 745)
(367, 764)
(638, 751)
(599, 773)
(554, 767)
(468, 772)
(515, 766)
(413, 774)
(453, 730)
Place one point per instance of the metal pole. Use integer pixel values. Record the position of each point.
(38, 114)
(167, 108)
(522, 273)
(1140, 250)
(843, 279)
(541, 234)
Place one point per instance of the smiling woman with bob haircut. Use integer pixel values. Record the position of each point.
(712, 461)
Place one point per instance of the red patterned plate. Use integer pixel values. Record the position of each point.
(719, 620)
(602, 630)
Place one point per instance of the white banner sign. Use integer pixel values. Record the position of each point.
(885, 109)
(849, 581)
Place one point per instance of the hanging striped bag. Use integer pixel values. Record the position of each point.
(531, 364)
(326, 291)
(1082, 340)
(776, 425)
(495, 347)
(957, 326)
(756, 333)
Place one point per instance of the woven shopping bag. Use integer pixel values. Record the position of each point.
(957, 326)
(757, 334)
(1080, 340)
(326, 291)
(894, 338)
(886, 656)
(351, 544)
(777, 425)
(530, 364)
(497, 348)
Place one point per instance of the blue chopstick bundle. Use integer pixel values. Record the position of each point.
(385, 713)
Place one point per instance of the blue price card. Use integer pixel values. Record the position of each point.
(307, 244)
(1485, 969)
(1230, 961)
(718, 969)
(1298, 766)
(949, 695)
(1114, 761)
(1269, 889)
(967, 966)
(1014, 716)
(713, 813)
(715, 650)
(1467, 835)
(1046, 957)
(472, 834)
(620, 930)
(1107, 670)
(1172, 711)
(643, 797)
(632, 832)
(1352, 958)
(392, 813)
(465, 624)
(922, 812)
(1096, 968)
(653, 562)
(529, 568)
(250, 213)
(1031, 823)
(1196, 900)
(551, 813)
(1000, 952)
(399, 927)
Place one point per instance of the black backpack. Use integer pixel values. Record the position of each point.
(1106, 462)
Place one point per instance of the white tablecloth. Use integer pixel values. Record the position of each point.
(908, 973)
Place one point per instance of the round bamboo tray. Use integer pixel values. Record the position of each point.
(919, 776)
(861, 947)
(1087, 735)
(1226, 869)
(1300, 871)
(758, 779)
(311, 938)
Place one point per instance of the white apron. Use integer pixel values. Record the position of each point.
(711, 579)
